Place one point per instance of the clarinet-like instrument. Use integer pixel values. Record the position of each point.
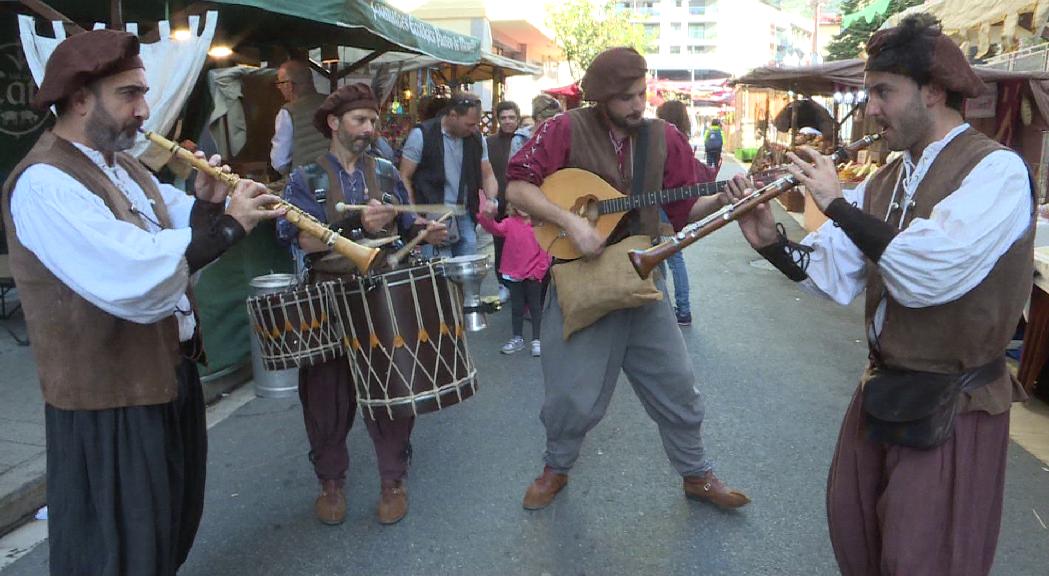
(645, 260)
(361, 256)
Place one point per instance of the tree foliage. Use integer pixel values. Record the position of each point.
(585, 28)
(850, 41)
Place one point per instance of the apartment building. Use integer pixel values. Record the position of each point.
(702, 39)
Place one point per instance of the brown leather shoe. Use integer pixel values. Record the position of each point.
(707, 488)
(330, 507)
(543, 490)
(393, 502)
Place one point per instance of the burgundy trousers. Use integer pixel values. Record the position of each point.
(899, 511)
(329, 405)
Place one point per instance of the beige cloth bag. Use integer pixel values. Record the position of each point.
(588, 289)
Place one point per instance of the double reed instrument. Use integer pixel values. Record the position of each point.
(361, 256)
(645, 260)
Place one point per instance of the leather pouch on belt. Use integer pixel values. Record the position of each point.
(917, 409)
(588, 289)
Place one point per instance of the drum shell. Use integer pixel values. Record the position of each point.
(405, 341)
(296, 327)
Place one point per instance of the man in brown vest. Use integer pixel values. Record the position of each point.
(349, 117)
(941, 240)
(295, 139)
(580, 373)
(102, 254)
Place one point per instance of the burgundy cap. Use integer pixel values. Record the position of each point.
(346, 98)
(84, 58)
(612, 72)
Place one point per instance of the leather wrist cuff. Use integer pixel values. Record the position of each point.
(868, 233)
(210, 240)
(204, 213)
(778, 254)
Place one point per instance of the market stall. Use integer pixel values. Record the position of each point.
(235, 98)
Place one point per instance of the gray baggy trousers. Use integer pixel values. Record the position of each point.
(580, 375)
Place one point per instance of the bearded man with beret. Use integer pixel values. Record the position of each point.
(941, 241)
(349, 117)
(580, 373)
(102, 254)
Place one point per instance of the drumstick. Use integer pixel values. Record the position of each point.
(378, 242)
(456, 210)
(396, 258)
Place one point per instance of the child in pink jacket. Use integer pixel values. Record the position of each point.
(524, 265)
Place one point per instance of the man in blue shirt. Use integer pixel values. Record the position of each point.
(347, 173)
(445, 161)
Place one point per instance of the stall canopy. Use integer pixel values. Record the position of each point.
(820, 79)
(368, 24)
(980, 24)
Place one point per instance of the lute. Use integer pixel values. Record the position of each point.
(585, 194)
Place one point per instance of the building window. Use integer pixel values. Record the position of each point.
(701, 31)
(675, 49)
(700, 7)
(679, 3)
(676, 27)
(651, 32)
(694, 50)
(647, 8)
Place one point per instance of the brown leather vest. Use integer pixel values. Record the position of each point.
(88, 359)
(592, 151)
(968, 332)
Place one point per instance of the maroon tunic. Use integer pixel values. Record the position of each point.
(547, 152)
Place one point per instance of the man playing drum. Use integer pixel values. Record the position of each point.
(349, 117)
(580, 373)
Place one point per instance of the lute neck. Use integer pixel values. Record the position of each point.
(630, 202)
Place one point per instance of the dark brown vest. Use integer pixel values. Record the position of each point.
(88, 359)
(592, 150)
(972, 330)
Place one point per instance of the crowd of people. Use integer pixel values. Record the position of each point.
(940, 241)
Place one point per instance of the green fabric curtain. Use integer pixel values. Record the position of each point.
(222, 290)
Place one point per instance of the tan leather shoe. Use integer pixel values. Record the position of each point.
(393, 502)
(543, 490)
(330, 506)
(707, 488)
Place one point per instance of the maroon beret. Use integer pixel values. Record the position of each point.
(949, 67)
(341, 101)
(84, 58)
(611, 73)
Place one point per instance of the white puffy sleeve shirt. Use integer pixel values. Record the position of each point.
(134, 274)
(938, 259)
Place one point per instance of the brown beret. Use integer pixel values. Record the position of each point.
(949, 67)
(611, 73)
(341, 101)
(84, 58)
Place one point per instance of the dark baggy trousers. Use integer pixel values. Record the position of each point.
(329, 405)
(125, 486)
(894, 510)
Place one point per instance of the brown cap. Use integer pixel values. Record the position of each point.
(948, 66)
(611, 73)
(84, 58)
(341, 101)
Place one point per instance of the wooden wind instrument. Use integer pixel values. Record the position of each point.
(417, 208)
(645, 260)
(362, 256)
